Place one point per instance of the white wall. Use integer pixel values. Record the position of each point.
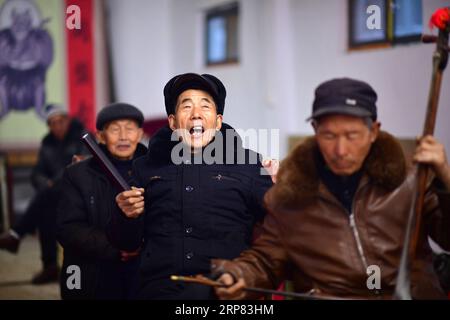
(400, 75)
(242, 80)
(287, 48)
(141, 55)
(253, 85)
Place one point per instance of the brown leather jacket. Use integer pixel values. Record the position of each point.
(310, 238)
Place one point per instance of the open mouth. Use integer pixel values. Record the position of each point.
(123, 147)
(196, 131)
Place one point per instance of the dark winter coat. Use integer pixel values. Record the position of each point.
(87, 201)
(193, 213)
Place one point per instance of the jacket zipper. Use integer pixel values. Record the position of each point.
(355, 232)
(358, 241)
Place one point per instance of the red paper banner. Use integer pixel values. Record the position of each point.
(80, 65)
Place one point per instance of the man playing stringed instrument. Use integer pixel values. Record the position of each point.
(337, 215)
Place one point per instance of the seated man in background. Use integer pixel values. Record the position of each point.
(56, 152)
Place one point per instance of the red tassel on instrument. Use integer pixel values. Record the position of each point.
(440, 19)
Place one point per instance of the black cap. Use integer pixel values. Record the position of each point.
(116, 111)
(54, 109)
(345, 96)
(186, 81)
